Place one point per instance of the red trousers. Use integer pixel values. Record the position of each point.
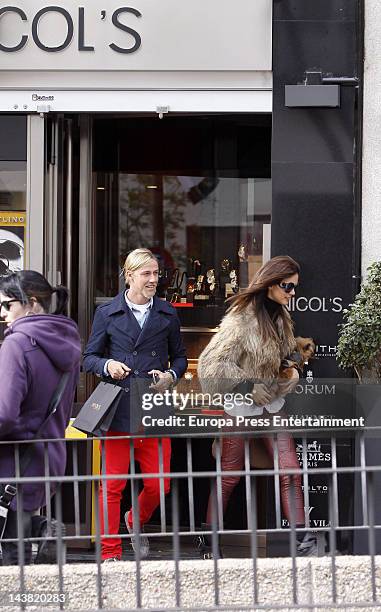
(117, 456)
(233, 458)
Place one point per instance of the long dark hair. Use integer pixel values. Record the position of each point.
(271, 273)
(27, 284)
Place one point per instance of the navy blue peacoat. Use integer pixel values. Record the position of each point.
(116, 334)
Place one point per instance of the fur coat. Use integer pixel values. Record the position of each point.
(237, 353)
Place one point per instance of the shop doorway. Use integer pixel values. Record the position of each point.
(195, 189)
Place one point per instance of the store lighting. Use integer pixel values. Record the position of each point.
(151, 187)
(101, 188)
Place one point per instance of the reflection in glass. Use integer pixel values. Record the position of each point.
(12, 185)
(208, 235)
(197, 192)
(13, 177)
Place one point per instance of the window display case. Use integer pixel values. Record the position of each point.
(194, 190)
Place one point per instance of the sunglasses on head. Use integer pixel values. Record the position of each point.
(287, 287)
(6, 304)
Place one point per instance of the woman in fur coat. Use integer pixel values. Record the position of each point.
(245, 355)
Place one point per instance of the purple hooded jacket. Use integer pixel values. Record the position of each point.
(35, 352)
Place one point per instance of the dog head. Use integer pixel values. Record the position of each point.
(306, 348)
(304, 351)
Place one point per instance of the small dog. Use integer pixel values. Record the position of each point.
(304, 351)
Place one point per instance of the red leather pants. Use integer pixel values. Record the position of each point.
(233, 458)
(117, 458)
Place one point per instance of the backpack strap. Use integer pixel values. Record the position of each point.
(9, 491)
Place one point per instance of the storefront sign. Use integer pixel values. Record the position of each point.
(325, 350)
(145, 35)
(318, 455)
(316, 304)
(12, 241)
(57, 10)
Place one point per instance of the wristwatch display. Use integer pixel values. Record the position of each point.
(203, 287)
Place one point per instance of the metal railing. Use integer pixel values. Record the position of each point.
(364, 524)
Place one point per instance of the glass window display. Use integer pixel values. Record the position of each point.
(13, 176)
(12, 246)
(197, 192)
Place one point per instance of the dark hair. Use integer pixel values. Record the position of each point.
(27, 284)
(271, 273)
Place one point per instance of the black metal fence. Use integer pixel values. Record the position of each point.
(352, 523)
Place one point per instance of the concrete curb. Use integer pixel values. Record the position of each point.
(235, 577)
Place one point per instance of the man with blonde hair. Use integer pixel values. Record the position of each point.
(135, 336)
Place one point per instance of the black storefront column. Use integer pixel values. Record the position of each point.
(315, 181)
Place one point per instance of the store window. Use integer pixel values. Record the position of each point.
(197, 192)
(13, 189)
(12, 186)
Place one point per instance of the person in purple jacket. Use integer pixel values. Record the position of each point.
(38, 348)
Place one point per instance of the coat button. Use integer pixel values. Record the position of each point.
(135, 353)
(136, 372)
(153, 353)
